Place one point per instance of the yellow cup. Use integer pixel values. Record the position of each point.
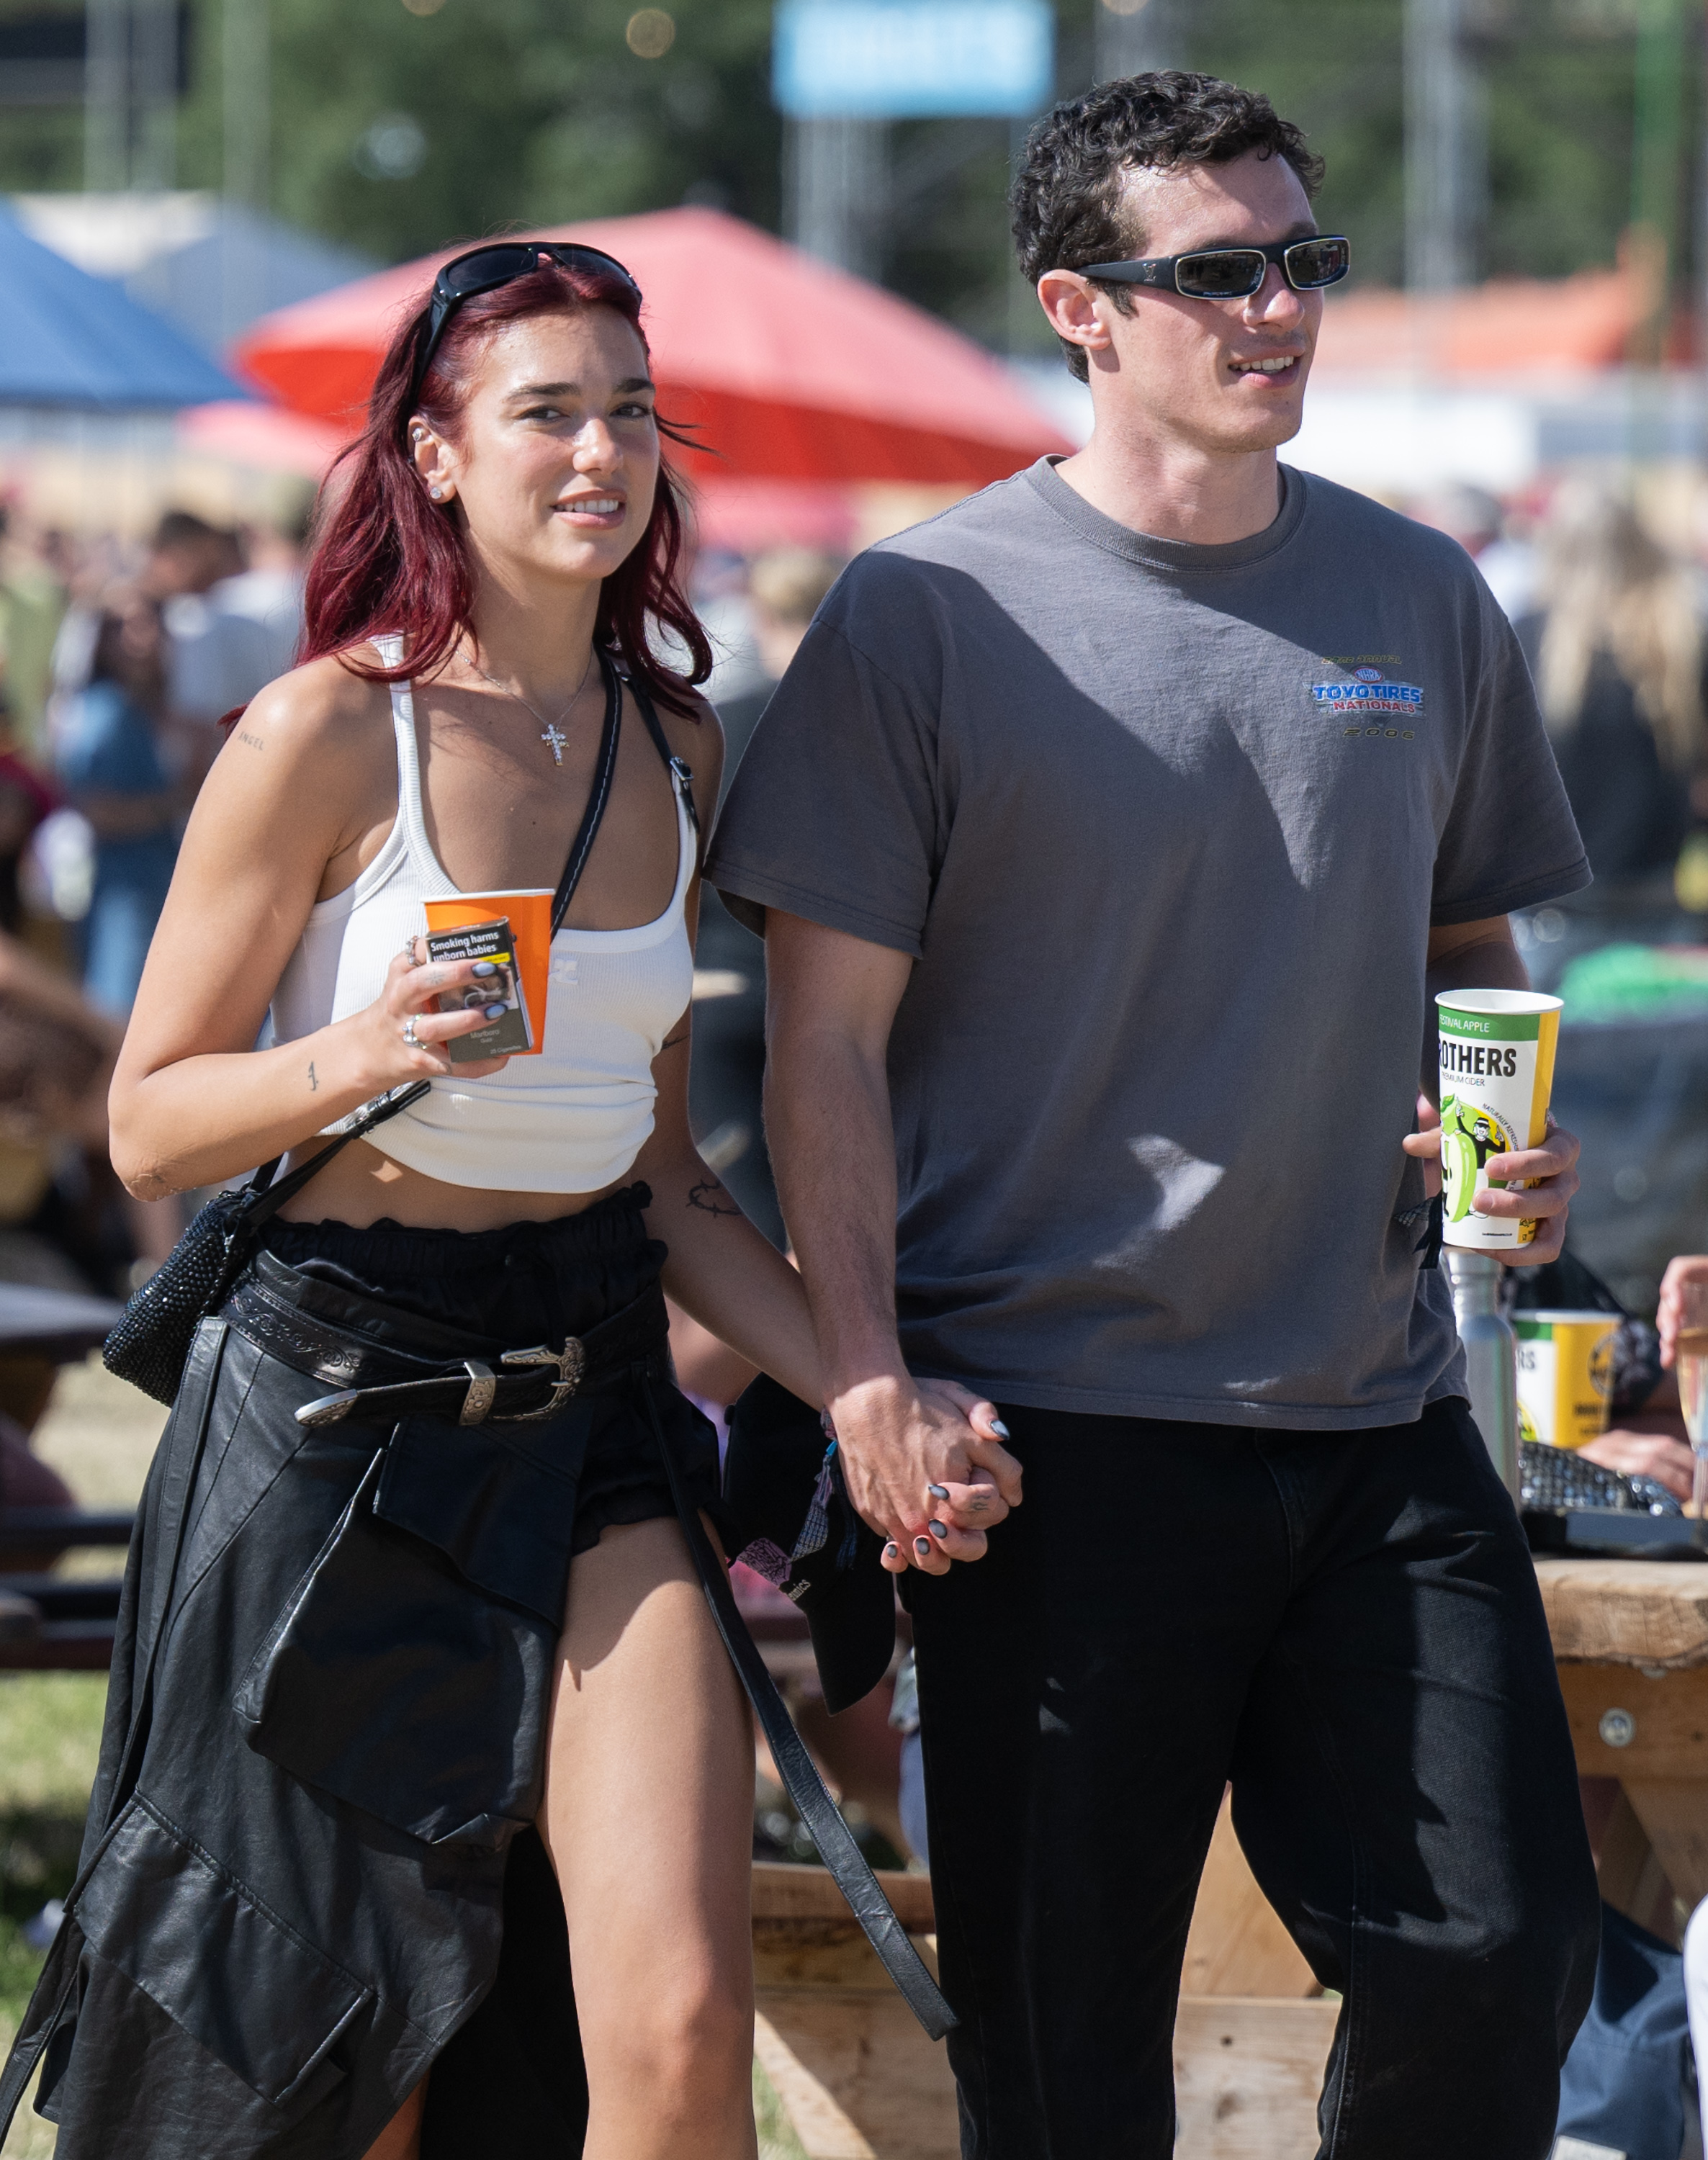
(1566, 1375)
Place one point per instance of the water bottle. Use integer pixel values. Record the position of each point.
(1491, 1358)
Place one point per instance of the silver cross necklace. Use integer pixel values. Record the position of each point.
(550, 734)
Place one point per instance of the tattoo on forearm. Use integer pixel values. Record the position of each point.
(707, 1196)
(314, 1084)
(253, 741)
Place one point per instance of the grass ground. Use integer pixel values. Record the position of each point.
(100, 1436)
(49, 1738)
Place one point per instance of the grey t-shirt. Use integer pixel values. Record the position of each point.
(1165, 829)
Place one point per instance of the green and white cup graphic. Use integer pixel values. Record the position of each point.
(1497, 1049)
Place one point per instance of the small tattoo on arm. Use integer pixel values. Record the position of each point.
(706, 1197)
(314, 1084)
(673, 1043)
(253, 741)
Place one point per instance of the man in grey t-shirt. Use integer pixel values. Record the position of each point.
(1109, 835)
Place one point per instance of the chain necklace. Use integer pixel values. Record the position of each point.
(550, 735)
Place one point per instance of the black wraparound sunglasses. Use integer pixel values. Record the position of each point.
(1235, 273)
(485, 269)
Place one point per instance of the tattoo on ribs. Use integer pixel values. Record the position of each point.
(706, 1197)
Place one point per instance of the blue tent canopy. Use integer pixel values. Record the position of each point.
(69, 339)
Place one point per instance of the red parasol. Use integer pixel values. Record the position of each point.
(791, 370)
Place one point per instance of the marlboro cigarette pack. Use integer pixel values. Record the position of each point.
(511, 1031)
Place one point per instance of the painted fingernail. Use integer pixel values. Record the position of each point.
(922, 1547)
(892, 1550)
(938, 1492)
(485, 967)
(938, 1529)
(496, 1012)
(999, 1428)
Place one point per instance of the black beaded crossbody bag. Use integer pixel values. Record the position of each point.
(150, 1343)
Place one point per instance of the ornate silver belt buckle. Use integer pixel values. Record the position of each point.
(570, 1364)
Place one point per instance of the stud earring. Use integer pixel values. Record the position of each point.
(435, 492)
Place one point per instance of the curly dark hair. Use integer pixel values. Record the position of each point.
(1068, 199)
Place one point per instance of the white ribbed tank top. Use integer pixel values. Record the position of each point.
(572, 1119)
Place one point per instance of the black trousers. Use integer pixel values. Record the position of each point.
(1347, 1626)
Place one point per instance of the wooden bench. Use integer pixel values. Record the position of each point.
(859, 2080)
(49, 1622)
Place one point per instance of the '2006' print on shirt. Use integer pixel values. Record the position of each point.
(1369, 700)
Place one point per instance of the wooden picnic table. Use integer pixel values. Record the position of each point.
(861, 2082)
(1631, 1641)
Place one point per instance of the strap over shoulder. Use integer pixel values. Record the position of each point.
(680, 771)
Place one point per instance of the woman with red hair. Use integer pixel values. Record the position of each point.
(422, 1750)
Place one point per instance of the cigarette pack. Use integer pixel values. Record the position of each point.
(526, 911)
(512, 1031)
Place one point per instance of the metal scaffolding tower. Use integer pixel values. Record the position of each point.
(1134, 37)
(245, 120)
(131, 89)
(1447, 148)
(836, 189)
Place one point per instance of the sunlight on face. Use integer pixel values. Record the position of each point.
(1227, 376)
(555, 461)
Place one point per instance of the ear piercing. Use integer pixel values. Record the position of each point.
(435, 492)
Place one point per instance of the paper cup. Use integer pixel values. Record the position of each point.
(1497, 1051)
(1566, 1375)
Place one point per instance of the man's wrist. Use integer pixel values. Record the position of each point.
(869, 1388)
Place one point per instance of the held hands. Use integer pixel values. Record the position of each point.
(925, 1467)
(1554, 1165)
(403, 1032)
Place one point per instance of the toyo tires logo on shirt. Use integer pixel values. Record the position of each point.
(1370, 696)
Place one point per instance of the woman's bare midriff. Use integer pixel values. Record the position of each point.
(362, 1186)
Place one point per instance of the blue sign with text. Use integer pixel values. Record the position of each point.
(893, 59)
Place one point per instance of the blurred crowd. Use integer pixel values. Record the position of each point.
(117, 661)
(1611, 622)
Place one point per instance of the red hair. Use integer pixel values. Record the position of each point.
(389, 558)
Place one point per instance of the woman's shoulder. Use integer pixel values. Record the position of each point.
(322, 709)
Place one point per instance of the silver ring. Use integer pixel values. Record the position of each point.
(408, 953)
(410, 1036)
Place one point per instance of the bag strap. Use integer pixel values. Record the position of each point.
(680, 771)
(591, 819)
(267, 1198)
(842, 1856)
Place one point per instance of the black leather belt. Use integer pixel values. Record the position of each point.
(399, 1365)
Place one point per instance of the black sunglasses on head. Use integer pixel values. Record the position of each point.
(1235, 273)
(485, 269)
